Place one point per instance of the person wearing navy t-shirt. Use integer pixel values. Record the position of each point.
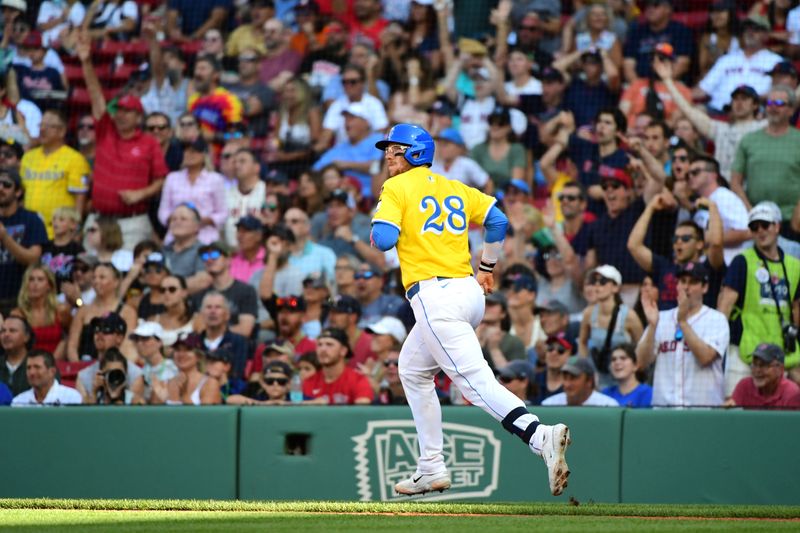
(38, 81)
(644, 36)
(606, 242)
(589, 92)
(628, 391)
(589, 156)
(22, 235)
(688, 245)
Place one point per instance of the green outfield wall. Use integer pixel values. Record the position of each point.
(358, 453)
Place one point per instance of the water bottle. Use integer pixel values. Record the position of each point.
(296, 389)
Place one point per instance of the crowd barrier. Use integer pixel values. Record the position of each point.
(358, 453)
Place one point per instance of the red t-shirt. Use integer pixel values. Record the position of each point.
(372, 33)
(787, 395)
(349, 387)
(123, 164)
(362, 350)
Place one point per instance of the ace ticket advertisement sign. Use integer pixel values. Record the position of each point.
(387, 453)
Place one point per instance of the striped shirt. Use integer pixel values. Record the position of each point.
(207, 193)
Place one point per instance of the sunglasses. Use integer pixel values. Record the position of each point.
(248, 59)
(365, 275)
(681, 158)
(7, 154)
(7, 184)
(158, 127)
(777, 103)
(153, 269)
(208, 256)
(310, 283)
(269, 207)
(682, 238)
(106, 330)
(273, 381)
(611, 185)
(390, 362)
(507, 380)
(187, 123)
(756, 225)
(695, 172)
(599, 280)
(556, 348)
(569, 197)
(287, 303)
(396, 153)
(171, 289)
(85, 126)
(551, 255)
(351, 81)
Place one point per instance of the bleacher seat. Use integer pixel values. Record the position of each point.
(69, 371)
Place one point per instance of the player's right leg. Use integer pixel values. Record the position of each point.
(417, 369)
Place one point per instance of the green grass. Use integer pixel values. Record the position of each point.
(34, 515)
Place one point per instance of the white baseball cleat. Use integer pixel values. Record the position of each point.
(554, 446)
(422, 483)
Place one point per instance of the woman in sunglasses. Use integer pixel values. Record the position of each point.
(106, 280)
(178, 316)
(607, 323)
(272, 387)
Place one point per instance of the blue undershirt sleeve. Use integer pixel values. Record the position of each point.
(384, 235)
(496, 224)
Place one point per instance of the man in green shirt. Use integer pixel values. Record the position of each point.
(769, 159)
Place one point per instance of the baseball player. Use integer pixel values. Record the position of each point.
(426, 216)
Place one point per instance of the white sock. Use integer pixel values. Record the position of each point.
(537, 439)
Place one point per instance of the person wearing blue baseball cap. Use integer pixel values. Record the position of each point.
(451, 159)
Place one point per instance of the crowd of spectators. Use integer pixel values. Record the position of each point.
(186, 189)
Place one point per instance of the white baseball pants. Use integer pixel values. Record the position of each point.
(447, 312)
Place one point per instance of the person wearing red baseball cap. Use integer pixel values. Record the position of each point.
(129, 168)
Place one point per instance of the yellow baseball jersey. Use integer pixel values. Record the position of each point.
(433, 215)
(50, 180)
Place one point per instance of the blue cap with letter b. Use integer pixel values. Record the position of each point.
(420, 143)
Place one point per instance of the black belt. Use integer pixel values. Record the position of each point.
(414, 289)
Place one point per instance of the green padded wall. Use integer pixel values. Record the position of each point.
(109, 452)
(731, 457)
(358, 453)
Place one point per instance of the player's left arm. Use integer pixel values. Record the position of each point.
(496, 224)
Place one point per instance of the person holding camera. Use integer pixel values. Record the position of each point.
(110, 382)
(687, 344)
(606, 323)
(760, 297)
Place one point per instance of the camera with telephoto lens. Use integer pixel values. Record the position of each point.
(116, 378)
(789, 338)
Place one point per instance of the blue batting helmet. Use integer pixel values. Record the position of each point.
(419, 142)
